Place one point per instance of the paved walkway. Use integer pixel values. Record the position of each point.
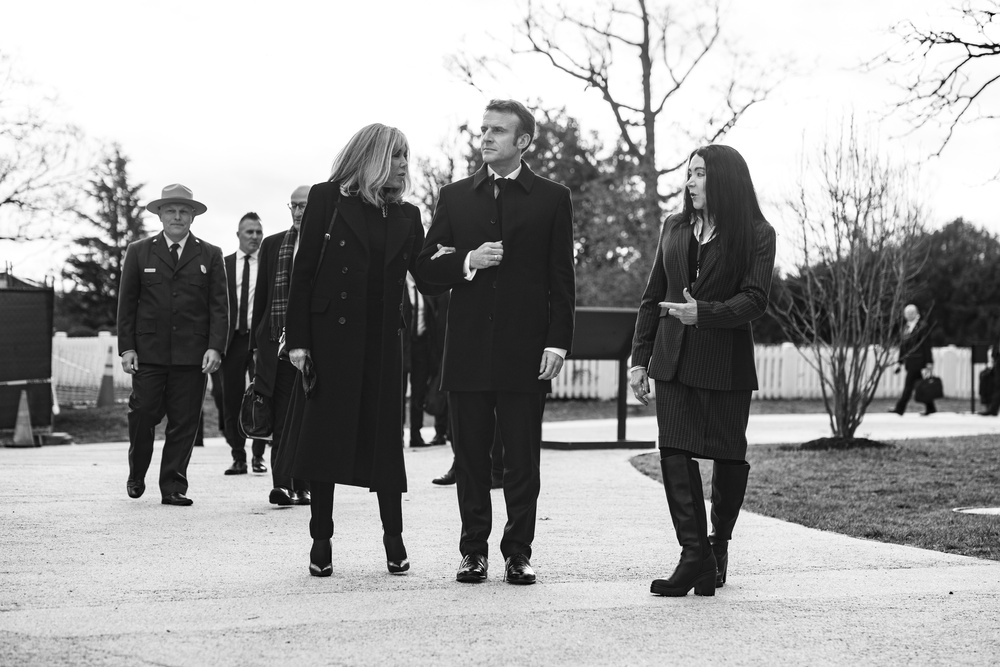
(91, 577)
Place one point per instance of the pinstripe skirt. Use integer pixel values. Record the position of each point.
(709, 423)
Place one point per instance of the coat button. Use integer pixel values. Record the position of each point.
(491, 317)
(342, 243)
(344, 270)
(493, 222)
(401, 281)
(343, 295)
(343, 320)
(494, 284)
(406, 255)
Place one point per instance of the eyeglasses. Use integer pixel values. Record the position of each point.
(296, 207)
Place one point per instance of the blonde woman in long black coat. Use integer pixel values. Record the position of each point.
(710, 278)
(344, 321)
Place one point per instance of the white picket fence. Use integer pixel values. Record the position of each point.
(78, 365)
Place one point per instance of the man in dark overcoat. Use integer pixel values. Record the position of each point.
(242, 269)
(502, 240)
(173, 322)
(274, 377)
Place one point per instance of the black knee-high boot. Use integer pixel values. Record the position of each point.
(696, 569)
(729, 485)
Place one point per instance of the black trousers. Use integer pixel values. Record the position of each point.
(234, 373)
(419, 375)
(390, 509)
(178, 393)
(474, 417)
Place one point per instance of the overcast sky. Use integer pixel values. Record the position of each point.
(243, 101)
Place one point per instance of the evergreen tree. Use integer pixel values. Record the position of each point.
(95, 266)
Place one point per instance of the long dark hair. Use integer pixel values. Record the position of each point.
(731, 202)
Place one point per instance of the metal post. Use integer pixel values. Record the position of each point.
(622, 408)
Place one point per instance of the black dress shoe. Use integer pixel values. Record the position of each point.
(473, 569)
(303, 497)
(928, 411)
(518, 570)
(419, 443)
(446, 479)
(987, 413)
(439, 439)
(321, 559)
(177, 498)
(258, 464)
(238, 468)
(896, 412)
(281, 496)
(135, 489)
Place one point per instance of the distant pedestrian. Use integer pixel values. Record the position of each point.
(173, 323)
(421, 360)
(916, 356)
(343, 329)
(710, 278)
(991, 398)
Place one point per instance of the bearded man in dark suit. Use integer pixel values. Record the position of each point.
(173, 324)
(502, 239)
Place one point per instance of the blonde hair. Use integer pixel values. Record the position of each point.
(363, 166)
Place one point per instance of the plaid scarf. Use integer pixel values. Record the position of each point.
(282, 280)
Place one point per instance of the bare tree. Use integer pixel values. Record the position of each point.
(949, 72)
(661, 70)
(38, 170)
(858, 222)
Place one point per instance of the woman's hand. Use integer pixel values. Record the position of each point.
(686, 312)
(298, 357)
(639, 381)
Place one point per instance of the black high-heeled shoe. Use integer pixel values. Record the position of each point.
(321, 559)
(395, 554)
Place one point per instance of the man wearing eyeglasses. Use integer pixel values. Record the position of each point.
(275, 377)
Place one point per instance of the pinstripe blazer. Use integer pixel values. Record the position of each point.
(718, 351)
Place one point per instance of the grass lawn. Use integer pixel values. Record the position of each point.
(903, 493)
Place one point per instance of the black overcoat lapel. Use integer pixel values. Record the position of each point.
(349, 208)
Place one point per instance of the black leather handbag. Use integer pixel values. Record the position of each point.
(929, 389)
(435, 400)
(256, 417)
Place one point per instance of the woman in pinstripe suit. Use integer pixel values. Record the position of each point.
(710, 278)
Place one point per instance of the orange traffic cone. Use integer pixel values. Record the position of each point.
(23, 437)
(106, 396)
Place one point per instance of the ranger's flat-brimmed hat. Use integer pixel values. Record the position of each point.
(176, 194)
